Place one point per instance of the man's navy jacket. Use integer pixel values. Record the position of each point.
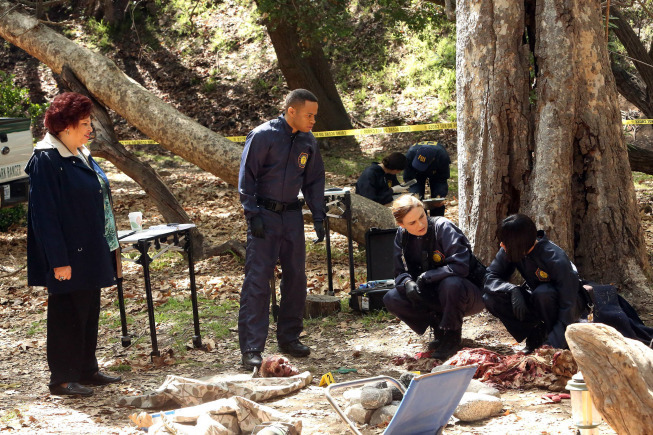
(65, 223)
(276, 164)
(375, 184)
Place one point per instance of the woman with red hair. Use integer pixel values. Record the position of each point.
(71, 232)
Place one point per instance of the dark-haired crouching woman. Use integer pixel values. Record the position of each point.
(552, 296)
(433, 267)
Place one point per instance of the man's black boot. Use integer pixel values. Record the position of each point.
(295, 348)
(252, 359)
(449, 344)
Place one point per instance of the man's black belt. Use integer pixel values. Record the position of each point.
(278, 206)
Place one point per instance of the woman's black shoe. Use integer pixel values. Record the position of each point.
(100, 379)
(73, 389)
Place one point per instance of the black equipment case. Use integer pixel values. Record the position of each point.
(379, 244)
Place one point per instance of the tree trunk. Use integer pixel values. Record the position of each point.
(309, 71)
(156, 119)
(558, 156)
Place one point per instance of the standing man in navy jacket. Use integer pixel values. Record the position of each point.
(280, 158)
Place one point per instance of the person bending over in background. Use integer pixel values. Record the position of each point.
(552, 296)
(280, 158)
(437, 277)
(71, 232)
(428, 160)
(379, 182)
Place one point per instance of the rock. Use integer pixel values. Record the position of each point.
(405, 378)
(475, 406)
(383, 415)
(618, 372)
(374, 398)
(358, 414)
(396, 393)
(441, 368)
(476, 386)
(353, 396)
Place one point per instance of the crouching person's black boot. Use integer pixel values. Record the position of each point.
(448, 344)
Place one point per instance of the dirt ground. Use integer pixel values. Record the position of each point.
(345, 339)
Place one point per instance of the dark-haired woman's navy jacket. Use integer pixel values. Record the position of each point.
(65, 222)
(547, 263)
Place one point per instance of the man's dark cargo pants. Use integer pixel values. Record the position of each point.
(284, 240)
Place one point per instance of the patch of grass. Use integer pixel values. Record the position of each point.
(642, 181)
(177, 314)
(10, 415)
(101, 34)
(111, 319)
(167, 260)
(344, 165)
(121, 368)
(209, 85)
(35, 328)
(376, 319)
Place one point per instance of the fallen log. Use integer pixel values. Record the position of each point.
(158, 120)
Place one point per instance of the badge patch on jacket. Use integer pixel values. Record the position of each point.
(542, 275)
(438, 257)
(303, 158)
(389, 183)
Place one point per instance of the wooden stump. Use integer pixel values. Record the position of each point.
(320, 305)
(619, 374)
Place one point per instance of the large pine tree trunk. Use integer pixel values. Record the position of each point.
(160, 121)
(559, 155)
(310, 71)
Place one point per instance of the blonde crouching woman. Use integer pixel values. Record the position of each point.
(437, 277)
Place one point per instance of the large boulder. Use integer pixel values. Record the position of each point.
(476, 406)
(618, 372)
(374, 398)
(383, 415)
(476, 386)
(358, 414)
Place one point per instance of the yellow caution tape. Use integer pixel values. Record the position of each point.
(327, 379)
(638, 121)
(374, 130)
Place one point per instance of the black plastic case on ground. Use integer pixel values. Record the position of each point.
(379, 244)
(379, 250)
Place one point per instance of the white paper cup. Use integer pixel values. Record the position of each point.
(136, 220)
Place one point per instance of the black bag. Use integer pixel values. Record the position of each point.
(379, 244)
(368, 299)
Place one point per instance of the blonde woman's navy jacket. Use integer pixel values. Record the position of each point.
(442, 252)
(65, 221)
